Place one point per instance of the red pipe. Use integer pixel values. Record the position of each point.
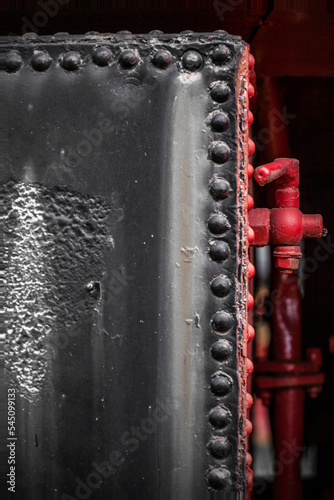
(289, 416)
(288, 403)
(286, 339)
(286, 328)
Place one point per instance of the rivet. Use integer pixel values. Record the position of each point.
(61, 35)
(102, 56)
(221, 350)
(250, 170)
(219, 188)
(249, 459)
(155, 32)
(250, 202)
(251, 91)
(250, 117)
(221, 286)
(251, 147)
(221, 55)
(219, 250)
(219, 122)
(250, 333)
(129, 58)
(220, 417)
(219, 152)
(218, 224)
(250, 270)
(92, 33)
(94, 289)
(220, 92)
(162, 59)
(221, 384)
(30, 35)
(221, 321)
(249, 366)
(13, 62)
(124, 33)
(250, 235)
(251, 61)
(192, 60)
(218, 478)
(219, 447)
(249, 400)
(71, 60)
(41, 61)
(250, 301)
(248, 427)
(249, 479)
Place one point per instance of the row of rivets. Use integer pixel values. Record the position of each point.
(191, 61)
(221, 384)
(250, 273)
(71, 60)
(220, 417)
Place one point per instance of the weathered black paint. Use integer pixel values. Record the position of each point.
(119, 147)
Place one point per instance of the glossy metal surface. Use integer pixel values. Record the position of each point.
(118, 152)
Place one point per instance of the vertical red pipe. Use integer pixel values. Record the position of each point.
(286, 324)
(288, 403)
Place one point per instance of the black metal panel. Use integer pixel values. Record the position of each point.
(118, 152)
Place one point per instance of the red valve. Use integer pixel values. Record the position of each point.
(283, 226)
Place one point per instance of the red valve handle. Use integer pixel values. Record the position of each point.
(284, 226)
(283, 170)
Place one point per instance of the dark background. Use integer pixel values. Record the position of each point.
(293, 44)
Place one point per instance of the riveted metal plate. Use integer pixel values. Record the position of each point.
(125, 263)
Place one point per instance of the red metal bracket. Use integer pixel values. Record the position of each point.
(284, 374)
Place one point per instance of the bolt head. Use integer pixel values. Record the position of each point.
(286, 265)
(259, 221)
